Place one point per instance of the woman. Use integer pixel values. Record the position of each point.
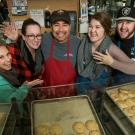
(10, 87)
(92, 71)
(26, 52)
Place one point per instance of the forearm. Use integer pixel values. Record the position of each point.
(7, 92)
(20, 93)
(128, 68)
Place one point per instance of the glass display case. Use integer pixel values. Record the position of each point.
(112, 119)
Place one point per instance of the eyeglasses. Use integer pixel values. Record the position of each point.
(32, 37)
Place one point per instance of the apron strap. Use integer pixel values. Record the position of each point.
(51, 49)
(68, 49)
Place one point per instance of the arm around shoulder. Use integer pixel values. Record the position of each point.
(121, 61)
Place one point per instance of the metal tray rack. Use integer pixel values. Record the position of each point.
(116, 113)
(65, 111)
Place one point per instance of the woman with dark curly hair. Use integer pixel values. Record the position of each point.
(96, 52)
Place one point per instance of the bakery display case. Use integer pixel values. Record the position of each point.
(118, 109)
(68, 116)
(7, 119)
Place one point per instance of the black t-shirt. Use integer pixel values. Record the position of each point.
(127, 46)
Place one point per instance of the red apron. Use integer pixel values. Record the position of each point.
(59, 72)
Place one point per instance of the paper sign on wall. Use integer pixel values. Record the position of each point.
(38, 15)
(83, 16)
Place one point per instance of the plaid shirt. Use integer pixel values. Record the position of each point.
(20, 65)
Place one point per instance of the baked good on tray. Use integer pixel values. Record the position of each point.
(42, 129)
(92, 127)
(79, 128)
(95, 132)
(56, 129)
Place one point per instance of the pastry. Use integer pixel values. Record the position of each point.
(123, 96)
(91, 125)
(129, 102)
(79, 128)
(133, 119)
(122, 104)
(42, 129)
(56, 129)
(131, 94)
(119, 95)
(133, 109)
(122, 90)
(114, 96)
(128, 111)
(95, 132)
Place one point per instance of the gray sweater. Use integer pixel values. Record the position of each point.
(59, 51)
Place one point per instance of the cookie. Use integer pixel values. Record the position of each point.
(79, 128)
(56, 129)
(42, 129)
(95, 132)
(91, 125)
(133, 119)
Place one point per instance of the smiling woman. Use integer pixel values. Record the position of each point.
(5, 67)
(26, 61)
(26, 52)
(5, 58)
(10, 87)
(90, 74)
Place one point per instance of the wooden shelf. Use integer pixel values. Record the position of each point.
(71, 5)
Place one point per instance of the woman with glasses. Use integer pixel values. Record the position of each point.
(26, 53)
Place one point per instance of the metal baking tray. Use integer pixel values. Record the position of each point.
(65, 111)
(4, 112)
(127, 86)
(8, 118)
(113, 117)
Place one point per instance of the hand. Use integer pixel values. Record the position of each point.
(10, 30)
(33, 83)
(103, 58)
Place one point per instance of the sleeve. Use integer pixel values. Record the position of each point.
(121, 61)
(7, 92)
